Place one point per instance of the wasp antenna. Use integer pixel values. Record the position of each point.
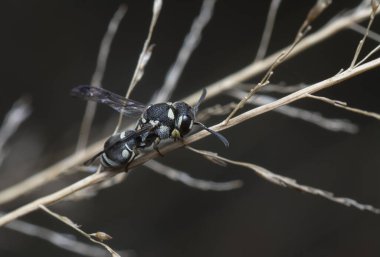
(218, 135)
(93, 158)
(201, 99)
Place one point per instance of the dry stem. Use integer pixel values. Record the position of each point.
(98, 177)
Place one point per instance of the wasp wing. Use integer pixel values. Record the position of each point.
(121, 104)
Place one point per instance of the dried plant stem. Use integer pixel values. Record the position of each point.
(375, 6)
(291, 183)
(52, 198)
(190, 43)
(254, 69)
(314, 12)
(144, 56)
(98, 177)
(97, 77)
(71, 224)
(50, 173)
(344, 105)
(55, 238)
(268, 29)
(214, 89)
(186, 179)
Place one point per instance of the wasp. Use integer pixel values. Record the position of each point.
(157, 122)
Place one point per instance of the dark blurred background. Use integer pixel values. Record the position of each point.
(48, 47)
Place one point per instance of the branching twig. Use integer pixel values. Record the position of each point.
(184, 178)
(335, 125)
(144, 56)
(91, 237)
(344, 105)
(214, 89)
(55, 238)
(375, 6)
(362, 30)
(98, 177)
(190, 43)
(254, 69)
(314, 12)
(291, 183)
(97, 77)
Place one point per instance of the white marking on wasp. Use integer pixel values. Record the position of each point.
(127, 146)
(164, 130)
(169, 103)
(122, 135)
(143, 120)
(191, 124)
(171, 114)
(108, 162)
(179, 121)
(125, 153)
(154, 122)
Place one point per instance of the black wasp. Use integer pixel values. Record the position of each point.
(157, 121)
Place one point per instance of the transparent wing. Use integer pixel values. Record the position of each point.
(123, 105)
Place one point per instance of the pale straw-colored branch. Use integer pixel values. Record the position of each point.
(268, 29)
(64, 166)
(343, 105)
(375, 6)
(58, 239)
(18, 113)
(340, 23)
(362, 30)
(144, 57)
(96, 238)
(186, 179)
(97, 77)
(314, 12)
(98, 177)
(251, 70)
(316, 118)
(291, 183)
(190, 43)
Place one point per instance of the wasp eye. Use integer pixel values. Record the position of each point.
(185, 122)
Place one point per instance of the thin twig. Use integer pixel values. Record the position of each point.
(214, 89)
(98, 177)
(292, 183)
(362, 30)
(190, 43)
(74, 226)
(373, 51)
(186, 179)
(18, 113)
(314, 12)
(58, 239)
(335, 125)
(375, 6)
(97, 77)
(281, 88)
(254, 69)
(344, 105)
(144, 56)
(268, 29)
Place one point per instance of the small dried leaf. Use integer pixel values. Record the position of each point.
(375, 4)
(101, 236)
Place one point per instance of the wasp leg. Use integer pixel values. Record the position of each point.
(155, 146)
(129, 162)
